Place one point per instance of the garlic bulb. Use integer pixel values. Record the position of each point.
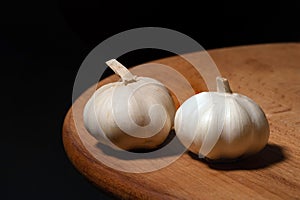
(135, 112)
(222, 124)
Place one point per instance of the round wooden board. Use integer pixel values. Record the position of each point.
(270, 75)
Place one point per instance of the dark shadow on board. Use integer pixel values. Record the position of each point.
(170, 147)
(267, 157)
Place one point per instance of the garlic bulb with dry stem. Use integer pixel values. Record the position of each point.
(136, 112)
(222, 124)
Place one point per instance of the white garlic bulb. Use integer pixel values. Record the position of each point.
(222, 124)
(135, 112)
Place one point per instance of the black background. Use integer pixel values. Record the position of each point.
(42, 45)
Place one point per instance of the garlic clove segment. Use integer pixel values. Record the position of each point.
(222, 124)
(135, 112)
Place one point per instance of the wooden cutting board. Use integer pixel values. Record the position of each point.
(270, 75)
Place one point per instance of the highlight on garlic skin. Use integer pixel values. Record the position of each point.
(222, 124)
(135, 112)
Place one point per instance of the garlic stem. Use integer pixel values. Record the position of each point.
(223, 85)
(120, 70)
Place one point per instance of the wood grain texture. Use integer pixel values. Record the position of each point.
(270, 75)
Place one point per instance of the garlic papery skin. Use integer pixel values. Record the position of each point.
(133, 113)
(222, 124)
